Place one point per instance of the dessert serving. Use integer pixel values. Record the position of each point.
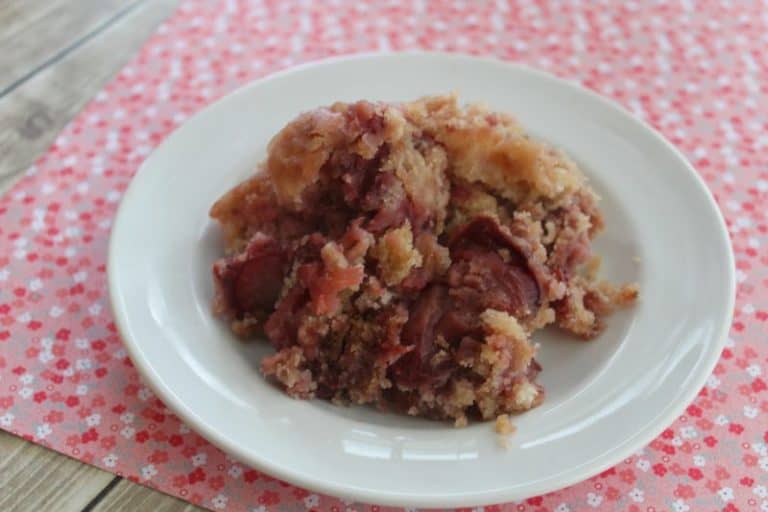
(403, 254)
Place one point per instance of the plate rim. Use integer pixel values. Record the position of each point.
(388, 498)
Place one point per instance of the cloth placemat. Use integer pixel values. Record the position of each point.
(695, 70)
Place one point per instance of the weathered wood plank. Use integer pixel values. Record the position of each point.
(35, 478)
(15, 15)
(32, 115)
(127, 496)
(36, 32)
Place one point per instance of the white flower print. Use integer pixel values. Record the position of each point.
(148, 471)
(760, 449)
(713, 382)
(754, 370)
(594, 500)
(235, 471)
(721, 420)
(81, 389)
(6, 420)
(127, 432)
(199, 459)
(25, 392)
(110, 460)
(219, 501)
(43, 430)
(750, 412)
(637, 495)
(93, 420)
(83, 364)
(680, 506)
(699, 460)
(726, 494)
(45, 356)
(47, 188)
(312, 501)
(764, 506)
(643, 464)
(127, 417)
(120, 353)
(676, 441)
(763, 463)
(562, 508)
(94, 309)
(68, 372)
(688, 432)
(145, 394)
(47, 342)
(183, 429)
(27, 378)
(761, 491)
(4, 273)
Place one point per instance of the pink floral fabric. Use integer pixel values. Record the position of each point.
(695, 70)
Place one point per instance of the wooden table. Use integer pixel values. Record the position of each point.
(54, 56)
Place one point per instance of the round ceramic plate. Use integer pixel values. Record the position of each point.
(605, 398)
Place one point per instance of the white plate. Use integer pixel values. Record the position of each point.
(605, 399)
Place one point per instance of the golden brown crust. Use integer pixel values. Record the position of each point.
(247, 208)
(396, 254)
(492, 149)
(299, 150)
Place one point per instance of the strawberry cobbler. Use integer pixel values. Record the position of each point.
(403, 254)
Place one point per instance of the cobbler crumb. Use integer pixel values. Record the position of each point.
(504, 429)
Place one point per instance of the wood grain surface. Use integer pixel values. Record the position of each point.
(63, 53)
(34, 112)
(128, 497)
(35, 478)
(46, 30)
